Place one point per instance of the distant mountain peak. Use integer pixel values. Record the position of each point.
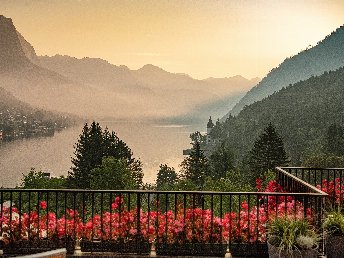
(11, 52)
(327, 55)
(150, 68)
(5, 18)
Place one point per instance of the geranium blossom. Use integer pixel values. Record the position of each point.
(183, 224)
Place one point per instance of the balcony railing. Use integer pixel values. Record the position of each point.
(329, 180)
(173, 222)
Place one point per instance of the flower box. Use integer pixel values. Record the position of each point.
(137, 247)
(22, 247)
(212, 249)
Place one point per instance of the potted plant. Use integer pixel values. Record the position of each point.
(292, 238)
(334, 228)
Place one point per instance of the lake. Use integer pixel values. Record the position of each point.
(153, 144)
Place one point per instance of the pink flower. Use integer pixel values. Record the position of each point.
(43, 204)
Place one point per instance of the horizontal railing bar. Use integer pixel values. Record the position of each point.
(320, 193)
(317, 168)
(311, 187)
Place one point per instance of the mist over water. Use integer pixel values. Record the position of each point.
(153, 144)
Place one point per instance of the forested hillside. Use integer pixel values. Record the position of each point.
(327, 55)
(301, 113)
(20, 120)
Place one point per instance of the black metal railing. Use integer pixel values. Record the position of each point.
(329, 180)
(177, 223)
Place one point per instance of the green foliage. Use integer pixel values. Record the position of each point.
(195, 167)
(197, 137)
(334, 223)
(267, 177)
(166, 176)
(221, 161)
(335, 140)
(38, 180)
(183, 185)
(301, 113)
(112, 174)
(88, 155)
(268, 151)
(322, 160)
(93, 145)
(285, 233)
(233, 181)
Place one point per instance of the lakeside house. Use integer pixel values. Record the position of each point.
(209, 143)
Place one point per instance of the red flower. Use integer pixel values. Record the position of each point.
(43, 204)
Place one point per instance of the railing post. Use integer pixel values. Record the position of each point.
(138, 227)
(152, 250)
(77, 248)
(228, 253)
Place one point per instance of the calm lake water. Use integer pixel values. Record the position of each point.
(152, 143)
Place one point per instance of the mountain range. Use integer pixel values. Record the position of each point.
(327, 55)
(302, 97)
(302, 114)
(94, 88)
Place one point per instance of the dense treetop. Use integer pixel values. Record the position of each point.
(268, 152)
(103, 161)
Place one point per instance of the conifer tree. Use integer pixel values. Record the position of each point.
(88, 155)
(221, 161)
(195, 167)
(335, 140)
(268, 151)
(94, 145)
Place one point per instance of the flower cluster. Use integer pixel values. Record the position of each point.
(334, 188)
(248, 223)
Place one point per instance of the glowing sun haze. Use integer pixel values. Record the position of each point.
(205, 38)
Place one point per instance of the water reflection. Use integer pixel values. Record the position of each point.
(152, 143)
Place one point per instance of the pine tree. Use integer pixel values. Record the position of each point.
(93, 145)
(195, 167)
(221, 161)
(335, 140)
(88, 155)
(268, 151)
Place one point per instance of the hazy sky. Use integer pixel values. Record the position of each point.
(202, 38)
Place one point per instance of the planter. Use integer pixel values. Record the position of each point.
(191, 249)
(334, 246)
(22, 247)
(274, 252)
(212, 249)
(249, 250)
(138, 247)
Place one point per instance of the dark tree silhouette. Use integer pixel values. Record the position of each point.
(268, 151)
(167, 176)
(335, 140)
(221, 161)
(92, 146)
(195, 167)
